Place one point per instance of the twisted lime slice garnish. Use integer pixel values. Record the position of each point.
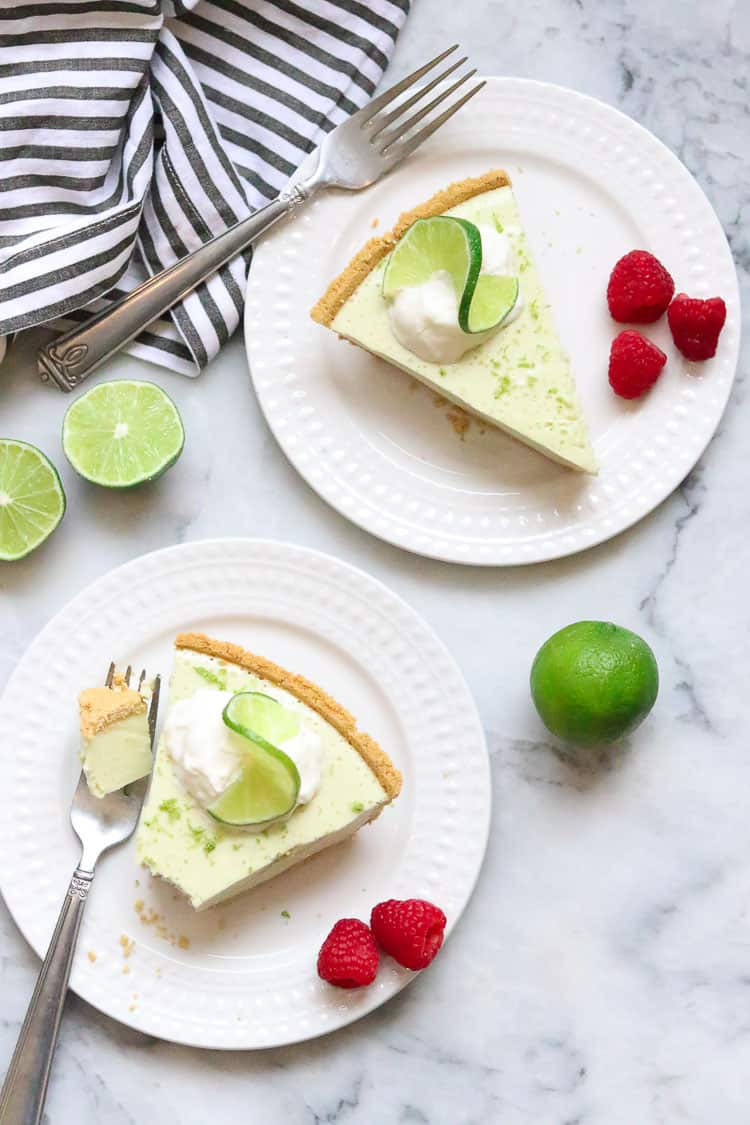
(429, 245)
(268, 786)
(454, 245)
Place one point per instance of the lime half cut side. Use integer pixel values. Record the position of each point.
(493, 300)
(32, 501)
(122, 433)
(268, 786)
(430, 245)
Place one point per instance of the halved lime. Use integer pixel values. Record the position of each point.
(494, 298)
(32, 501)
(429, 245)
(122, 433)
(267, 789)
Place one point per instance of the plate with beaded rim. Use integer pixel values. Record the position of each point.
(243, 974)
(382, 449)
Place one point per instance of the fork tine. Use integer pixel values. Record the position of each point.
(366, 114)
(383, 122)
(153, 709)
(110, 675)
(402, 128)
(128, 674)
(141, 678)
(396, 152)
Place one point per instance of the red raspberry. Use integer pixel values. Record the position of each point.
(411, 931)
(696, 325)
(639, 289)
(635, 364)
(349, 956)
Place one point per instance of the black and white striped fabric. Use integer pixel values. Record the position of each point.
(131, 131)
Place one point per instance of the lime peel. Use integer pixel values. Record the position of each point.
(594, 682)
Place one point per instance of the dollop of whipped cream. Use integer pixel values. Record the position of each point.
(207, 754)
(424, 318)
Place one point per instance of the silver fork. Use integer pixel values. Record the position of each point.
(99, 823)
(353, 156)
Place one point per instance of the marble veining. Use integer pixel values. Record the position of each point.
(601, 975)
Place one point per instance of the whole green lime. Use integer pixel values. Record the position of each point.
(594, 682)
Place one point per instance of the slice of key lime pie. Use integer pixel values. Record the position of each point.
(256, 770)
(451, 295)
(115, 736)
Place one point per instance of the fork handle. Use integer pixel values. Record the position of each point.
(71, 358)
(25, 1086)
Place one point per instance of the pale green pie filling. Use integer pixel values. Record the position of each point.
(520, 379)
(118, 755)
(208, 862)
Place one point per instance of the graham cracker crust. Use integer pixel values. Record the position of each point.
(350, 278)
(101, 707)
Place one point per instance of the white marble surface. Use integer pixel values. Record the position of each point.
(601, 974)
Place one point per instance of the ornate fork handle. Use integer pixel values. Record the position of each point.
(25, 1086)
(69, 359)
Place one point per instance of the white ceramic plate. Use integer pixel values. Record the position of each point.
(591, 185)
(247, 978)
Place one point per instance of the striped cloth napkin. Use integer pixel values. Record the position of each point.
(134, 130)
